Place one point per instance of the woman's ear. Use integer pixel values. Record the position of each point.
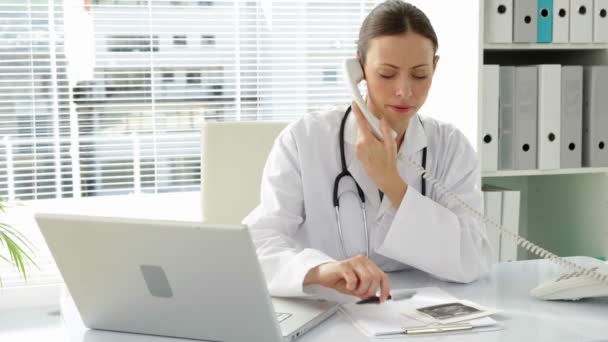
(435, 61)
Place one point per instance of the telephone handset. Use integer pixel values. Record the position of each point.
(354, 75)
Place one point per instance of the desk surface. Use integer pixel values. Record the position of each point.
(506, 288)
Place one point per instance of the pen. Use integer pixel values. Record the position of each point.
(432, 328)
(371, 300)
(437, 329)
(396, 295)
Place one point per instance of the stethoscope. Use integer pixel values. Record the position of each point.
(360, 194)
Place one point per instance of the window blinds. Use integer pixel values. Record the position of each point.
(106, 97)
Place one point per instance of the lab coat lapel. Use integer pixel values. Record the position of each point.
(372, 196)
(415, 140)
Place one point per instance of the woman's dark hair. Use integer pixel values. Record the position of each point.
(394, 17)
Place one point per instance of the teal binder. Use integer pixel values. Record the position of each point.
(545, 21)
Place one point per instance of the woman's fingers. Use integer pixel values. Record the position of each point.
(373, 289)
(387, 132)
(379, 281)
(370, 278)
(376, 279)
(385, 287)
(384, 284)
(357, 276)
(350, 279)
(365, 280)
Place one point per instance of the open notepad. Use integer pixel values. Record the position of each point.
(393, 318)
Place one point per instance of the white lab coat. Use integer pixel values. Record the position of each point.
(294, 227)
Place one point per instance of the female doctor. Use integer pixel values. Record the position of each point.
(387, 218)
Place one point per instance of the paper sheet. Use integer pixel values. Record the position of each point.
(389, 318)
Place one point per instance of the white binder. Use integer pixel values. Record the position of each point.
(561, 21)
(525, 21)
(489, 138)
(595, 116)
(506, 118)
(571, 117)
(510, 220)
(549, 106)
(526, 118)
(581, 21)
(492, 201)
(499, 21)
(600, 21)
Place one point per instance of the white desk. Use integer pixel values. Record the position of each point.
(523, 318)
(506, 288)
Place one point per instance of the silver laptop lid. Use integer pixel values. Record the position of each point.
(180, 279)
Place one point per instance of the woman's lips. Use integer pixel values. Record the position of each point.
(400, 108)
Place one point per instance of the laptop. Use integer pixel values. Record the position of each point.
(169, 278)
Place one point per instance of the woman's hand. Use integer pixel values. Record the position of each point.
(379, 157)
(357, 276)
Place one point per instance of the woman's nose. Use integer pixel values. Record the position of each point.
(404, 89)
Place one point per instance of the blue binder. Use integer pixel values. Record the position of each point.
(545, 21)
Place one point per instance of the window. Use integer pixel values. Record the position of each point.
(262, 66)
(132, 43)
(193, 78)
(135, 85)
(168, 77)
(121, 2)
(330, 75)
(118, 110)
(180, 40)
(207, 40)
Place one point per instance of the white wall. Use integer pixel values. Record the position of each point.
(454, 94)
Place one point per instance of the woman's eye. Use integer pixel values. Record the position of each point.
(420, 77)
(386, 76)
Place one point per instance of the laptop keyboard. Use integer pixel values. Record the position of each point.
(281, 316)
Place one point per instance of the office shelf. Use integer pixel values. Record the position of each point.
(562, 210)
(525, 173)
(536, 46)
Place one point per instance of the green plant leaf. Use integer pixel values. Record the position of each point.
(20, 249)
(17, 255)
(15, 252)
(14, 240)
(17, 235)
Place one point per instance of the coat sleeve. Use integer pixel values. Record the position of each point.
(275, 221)
(455, 243)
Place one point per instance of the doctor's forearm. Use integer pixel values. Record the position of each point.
(395, 190)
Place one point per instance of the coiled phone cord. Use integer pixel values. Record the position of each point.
(543, 253)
